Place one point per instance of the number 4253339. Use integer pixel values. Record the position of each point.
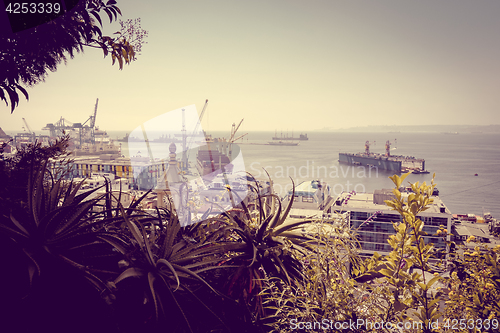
(33, 8)
(463, 324)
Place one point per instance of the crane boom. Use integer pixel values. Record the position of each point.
(234, 130)
(239, 137)
(186, 152)
(198, 122)
(237, 127)
(27, 127)
(203, 111)
(92, 123)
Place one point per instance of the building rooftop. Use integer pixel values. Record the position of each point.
(307, 188)
(479, 230)
(305, 213)
(375, 202)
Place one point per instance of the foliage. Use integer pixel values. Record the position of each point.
(16, 170)
(473, 289)
(390, 289)
(165, 263)
(148, 269)
(28, 55)
(407, 292)
(263, 246)
(327, 293)
(47, 241)
(249, 269)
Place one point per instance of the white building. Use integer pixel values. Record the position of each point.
(373, 219)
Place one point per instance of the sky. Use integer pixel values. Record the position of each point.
(286, 65)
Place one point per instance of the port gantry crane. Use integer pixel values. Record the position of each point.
(25, 137)
(92, 123)
(27, 127)
(59, 128)
(185, 153)
(232, 138)
(367, 147)
(234, 129)
(388, 147)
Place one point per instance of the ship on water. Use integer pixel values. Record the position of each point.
(302, 137)
(211, 158)
(385, 161)
(282, 143)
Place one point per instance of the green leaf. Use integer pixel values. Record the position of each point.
(290, 226)
(151, 280)
(113, 240)
(17, 224)
(289, 206)
(194, 275)
(96, 15)
(25, 93)
(129, 272)
(172, 270)
(386, 272)
(120, 61)
(433, 280)
(110, 14)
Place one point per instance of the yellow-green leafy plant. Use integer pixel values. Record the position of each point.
(474, 297)
(327, 294)
(406, 295)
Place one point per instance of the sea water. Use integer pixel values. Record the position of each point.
(454, 158)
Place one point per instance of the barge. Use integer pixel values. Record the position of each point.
(385, 161)
(281, 143)
(302, 137)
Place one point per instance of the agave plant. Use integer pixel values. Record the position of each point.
(55, 223)
(52, 249)
(263, 246)
(164, 261)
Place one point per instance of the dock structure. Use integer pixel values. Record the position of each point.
(385, 161)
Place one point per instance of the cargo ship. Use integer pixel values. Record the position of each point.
(385, 161)
(281, 143)
(211, 159)
(302, 137)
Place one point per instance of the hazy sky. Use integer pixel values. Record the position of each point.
(287, 64)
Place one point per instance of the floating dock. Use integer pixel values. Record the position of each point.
(302, 137)
(384, 161)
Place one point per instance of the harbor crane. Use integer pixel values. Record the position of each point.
(367, 147)
(232, 138)
(91, 126)
(198, 123)
(27, 126)
(25, 137)
(234, 129)
(388, 147)
(85, 132)
(185, 153)
(59, 127)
